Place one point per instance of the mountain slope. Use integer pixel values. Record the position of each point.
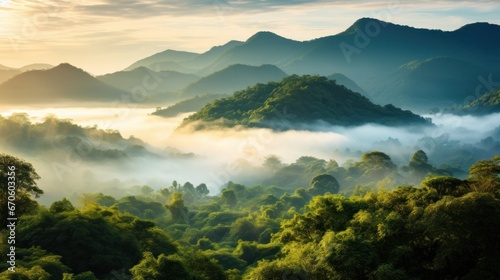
(207, 58)
(189, 105)
(61, 83)
(369, 52)
(262, 48)
(299, 102)
(440, 82)
(485, 104)
(348, 83)
(232, 78)
(160, 61)
(7, 74)
(164, 81)
(35, 66)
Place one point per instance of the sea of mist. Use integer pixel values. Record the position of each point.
(222, 155)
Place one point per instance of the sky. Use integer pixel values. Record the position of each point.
(104, 36)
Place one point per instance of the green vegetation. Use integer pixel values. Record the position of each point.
(483, 105)
(56, 137)
(296, 101)
(444, 228)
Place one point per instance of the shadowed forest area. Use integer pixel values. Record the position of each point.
(435, 226)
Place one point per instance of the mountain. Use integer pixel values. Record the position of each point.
(486, 104)
(61, 83)
(7, 74)
(164, 81)
(166, 60)
(348, 83)
(232, 78)
(440, 81)
(210, 56)
(262, 48)
(369, 52)
(35, 66)
(299, 102)
(189, 105)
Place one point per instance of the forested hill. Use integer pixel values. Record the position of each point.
(483, 105)
(296, 101)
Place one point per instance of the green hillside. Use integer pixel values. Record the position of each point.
(485, 104)
(297, 101)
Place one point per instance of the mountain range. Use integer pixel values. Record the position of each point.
(8, 72)
(387, 60)
(416, 69)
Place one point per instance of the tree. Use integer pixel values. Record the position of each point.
(272, 163)
(484, 176)
(163, 267)
(19, 180)
(419, 166)
(61, 206)
(202, 189)
(229, 198)
(177, 209)
(322, 184)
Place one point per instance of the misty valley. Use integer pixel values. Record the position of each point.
(268, 158)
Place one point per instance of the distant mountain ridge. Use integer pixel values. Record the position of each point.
(59, 84)
(163, 81)
(412, 68)
(298, 102)
(234, 77)
(7, 72)
(370, 52)
(439, 81)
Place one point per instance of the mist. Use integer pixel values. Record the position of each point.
(217, 156)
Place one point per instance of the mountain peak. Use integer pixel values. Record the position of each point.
(362, 22)
(66, 66)
(265, 36)
(478, 27)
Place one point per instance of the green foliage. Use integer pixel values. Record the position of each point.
(104, 238)
(52, 134)
(322, 184)
(36, 261)
(297, 100)
(21, 177)
(485, 104)
(229, 198)
(163, 267)
(61, 206)
(177, 209)
(445, 230)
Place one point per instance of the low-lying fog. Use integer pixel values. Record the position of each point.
(228, 154)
